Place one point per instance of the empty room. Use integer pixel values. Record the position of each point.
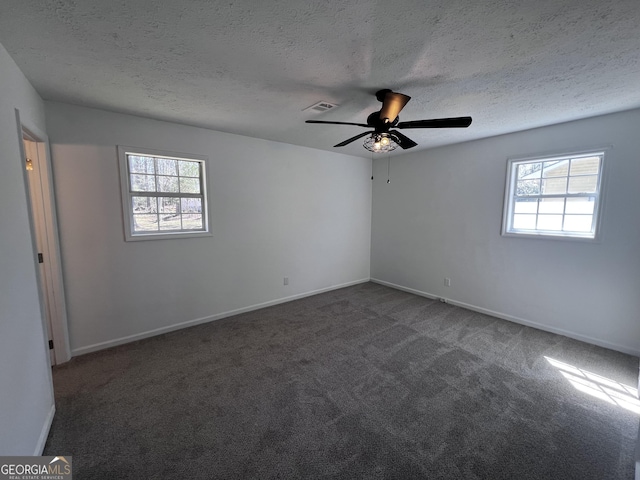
(351, 240)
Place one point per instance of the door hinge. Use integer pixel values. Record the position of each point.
(50, 344)
(40, 258)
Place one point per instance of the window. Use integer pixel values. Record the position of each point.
(164, 194)
(554, 196)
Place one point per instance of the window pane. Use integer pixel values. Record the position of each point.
(192, 221)
(551, 205)
(550, 222)
(581, 205)
(170, 222)
(189, 169)
(554, 186)
(166, 195)
(191, 205)
(143, 183)
(141, 164)
(556, 169)
(585, 184)
(167, 166)
(577, 223)
(190, 185)
(554, 196)
(168, 184)
(145, 223)
(144, 204)
(525, 222)
(529, 170)
(528, 187)
(169, 204)
(585, 166)
(526, 205)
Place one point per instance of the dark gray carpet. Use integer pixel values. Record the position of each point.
(363, 382)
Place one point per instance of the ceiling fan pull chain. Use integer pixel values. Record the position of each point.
(389, 168)
(371, 165)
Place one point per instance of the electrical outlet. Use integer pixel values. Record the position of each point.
(286, 280)
(447, 282)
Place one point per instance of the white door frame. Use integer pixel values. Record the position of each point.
(45, 220)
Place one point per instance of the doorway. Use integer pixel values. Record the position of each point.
(37, 165)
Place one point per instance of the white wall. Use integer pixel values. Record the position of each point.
(26, 394)
(441, 217)
(278, 210)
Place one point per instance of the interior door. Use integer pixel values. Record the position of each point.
(32, 164)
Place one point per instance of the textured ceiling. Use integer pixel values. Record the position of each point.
(251, 67)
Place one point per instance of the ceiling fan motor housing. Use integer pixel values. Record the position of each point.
(379, 124)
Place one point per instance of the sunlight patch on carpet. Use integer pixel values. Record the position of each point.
(598, 386)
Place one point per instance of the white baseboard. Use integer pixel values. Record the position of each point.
(522, 321)
(45, 432)
(211, 318)
(405, 289)
(638, 456)
(638, 446)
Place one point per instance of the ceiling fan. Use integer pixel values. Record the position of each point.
(382, 138)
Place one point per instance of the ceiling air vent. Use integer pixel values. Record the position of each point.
(320, 107)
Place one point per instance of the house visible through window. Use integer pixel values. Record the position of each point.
(556, 196)
(163, 195)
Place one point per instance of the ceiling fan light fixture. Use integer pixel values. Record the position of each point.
(379, 143)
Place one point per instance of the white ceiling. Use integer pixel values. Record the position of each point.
(251, 67)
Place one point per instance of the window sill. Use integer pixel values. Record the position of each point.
(166, 236)
(551, 236)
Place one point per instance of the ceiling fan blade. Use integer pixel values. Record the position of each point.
(352, 139)
(392, 104)
(457, 122)
(338, 123)
(402, 140)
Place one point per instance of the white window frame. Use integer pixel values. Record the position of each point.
(509, 200)
(127, 194)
